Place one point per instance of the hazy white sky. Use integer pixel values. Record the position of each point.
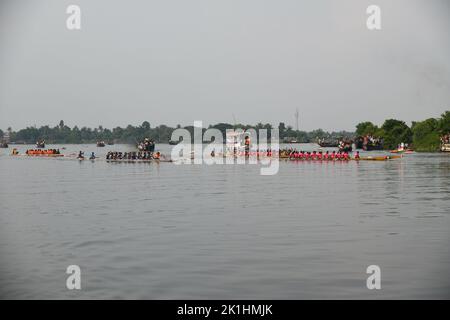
(176, 61)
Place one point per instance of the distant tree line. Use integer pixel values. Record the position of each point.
(422, 135)
(161, 134)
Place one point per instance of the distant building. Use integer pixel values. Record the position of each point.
(6, 137)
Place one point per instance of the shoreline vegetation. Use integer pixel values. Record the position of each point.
(423, 136)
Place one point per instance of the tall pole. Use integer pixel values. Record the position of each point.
(296, 119)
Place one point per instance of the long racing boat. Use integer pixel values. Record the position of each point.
(45, 155)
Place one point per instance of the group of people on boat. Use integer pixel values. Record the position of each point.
(327, 143)
(319, 155)
(298, 154)
(140, 155)
(345, 146)
(369, 139)
(369, 142)
(402, 147)
(445, 143)
(42, 152)
(250, 153)
(147, 145)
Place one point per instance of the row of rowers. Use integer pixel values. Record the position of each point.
(314, 155)
(42, 152)
(141, 155)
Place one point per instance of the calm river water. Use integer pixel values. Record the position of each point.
(165, 231)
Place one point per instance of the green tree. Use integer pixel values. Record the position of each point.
(302, 136)
(145, 125)
(395, 132)
(444, 123)
(366, 128)
(318, 134)
(282, 130)
(426, 135)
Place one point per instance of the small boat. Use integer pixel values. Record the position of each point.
(379, 158)
(110, 143)
(290, 140)
(101, 143)
(40, 144)
(328, 144)
(402, 151)
(3, 145)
